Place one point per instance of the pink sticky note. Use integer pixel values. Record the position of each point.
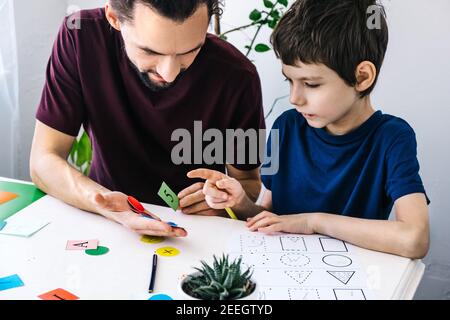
(81, 244)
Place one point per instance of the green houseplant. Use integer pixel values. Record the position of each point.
(224, 280)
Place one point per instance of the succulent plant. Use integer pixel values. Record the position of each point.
(221, 281)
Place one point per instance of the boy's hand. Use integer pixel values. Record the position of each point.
(220, 190)
(114, 206)
(192, 201)
(269, 223)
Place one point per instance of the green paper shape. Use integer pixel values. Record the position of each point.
(97, 252)
(169, 196)
(27, 194)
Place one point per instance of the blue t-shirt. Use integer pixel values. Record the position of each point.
(359, 174)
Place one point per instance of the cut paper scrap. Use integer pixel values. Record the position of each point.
(152, 239)
(6, 196)
(10, 282)
(2, 225)
(81, 244)
(26, 195)
(24, 227)
(97, 252)
(168, 252)
(58, 294)
(169, 196)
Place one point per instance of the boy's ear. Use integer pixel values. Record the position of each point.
(111, 16)
(365, 74)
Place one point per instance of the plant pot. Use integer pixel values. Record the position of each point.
(185, 296)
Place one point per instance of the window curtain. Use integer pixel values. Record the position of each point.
(9, 113)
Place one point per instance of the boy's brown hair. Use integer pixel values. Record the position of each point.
(335, 33)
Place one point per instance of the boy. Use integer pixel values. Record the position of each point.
(343, 165)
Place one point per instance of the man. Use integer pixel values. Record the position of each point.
(131, 74)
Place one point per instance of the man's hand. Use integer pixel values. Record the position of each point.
(114, 206)
(220, 190)
(269, 223)
(192, 201)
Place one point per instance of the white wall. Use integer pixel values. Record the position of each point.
(37, 23)
(236, 14)
(8, 87)
(6, 168)
(414, 85)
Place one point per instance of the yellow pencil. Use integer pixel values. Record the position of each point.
(231, 213)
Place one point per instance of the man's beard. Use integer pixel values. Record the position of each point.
(152, 85)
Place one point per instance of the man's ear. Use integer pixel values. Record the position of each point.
(365, 74)
(111, 16)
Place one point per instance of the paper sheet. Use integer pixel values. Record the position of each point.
(10, 282)
(302, 267)
(23, 226)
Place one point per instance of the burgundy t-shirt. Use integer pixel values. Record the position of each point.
(91, 82)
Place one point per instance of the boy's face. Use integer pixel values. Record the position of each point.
(319, 94)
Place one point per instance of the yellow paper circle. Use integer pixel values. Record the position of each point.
(152, 239)
(168, 252)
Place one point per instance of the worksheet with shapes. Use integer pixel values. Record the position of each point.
(301, 267)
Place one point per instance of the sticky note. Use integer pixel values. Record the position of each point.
(58, 294)
(7, 196)
(169, 196)
(2, 225)
(168, 252)
(10, 282)
(81, 244)
(24, 227)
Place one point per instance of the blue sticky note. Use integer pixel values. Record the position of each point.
(10, 282)
(2, 224)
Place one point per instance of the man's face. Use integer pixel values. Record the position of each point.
(161, 49)
(319, 94)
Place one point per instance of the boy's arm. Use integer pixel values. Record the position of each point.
(407, 236)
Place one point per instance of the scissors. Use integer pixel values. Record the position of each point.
(138, 208)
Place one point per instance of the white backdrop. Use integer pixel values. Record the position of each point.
(8, 87)
(414, 85)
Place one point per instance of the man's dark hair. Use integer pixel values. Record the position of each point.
(177, 10)
(335, 33)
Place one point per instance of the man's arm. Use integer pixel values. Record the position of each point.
(192, 199)
(250, 180)
(247, 208)
(241, 200)
(51, 172)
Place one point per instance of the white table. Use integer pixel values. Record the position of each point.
(44, 265)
